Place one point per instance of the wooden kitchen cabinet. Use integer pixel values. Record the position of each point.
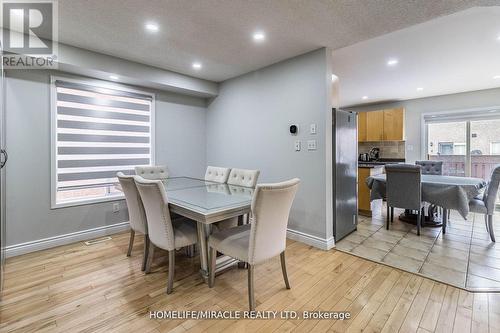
(393, 124)
(375, 126)
(362, 126)
(364, 204)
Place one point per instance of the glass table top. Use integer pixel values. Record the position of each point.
(206, 197)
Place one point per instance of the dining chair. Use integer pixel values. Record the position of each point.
(152, 172)
(217, 174)
(431, 167)
(163, 233)
(404, 190)
(137, 216)
(486, 204)
(262, 239)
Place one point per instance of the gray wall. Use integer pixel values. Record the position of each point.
(247, 127)
(180, 142)
(415, 107)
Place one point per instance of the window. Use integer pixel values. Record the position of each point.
(98, 129)
(495, 148)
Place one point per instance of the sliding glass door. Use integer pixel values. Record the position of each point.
(467, 143)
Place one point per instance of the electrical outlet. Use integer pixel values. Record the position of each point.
(116, 207)
(311, 145)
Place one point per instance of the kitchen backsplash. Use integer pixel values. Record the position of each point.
(388, 149)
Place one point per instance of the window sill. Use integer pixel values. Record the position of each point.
(84, 202)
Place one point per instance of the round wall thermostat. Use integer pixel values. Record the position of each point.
(294, 129)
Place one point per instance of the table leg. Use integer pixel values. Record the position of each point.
(202, 240)
(241, 221)
(445, 219)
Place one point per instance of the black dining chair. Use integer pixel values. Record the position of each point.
(404, 190)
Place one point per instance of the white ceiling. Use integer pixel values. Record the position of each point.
(218, 33)
(456, 53)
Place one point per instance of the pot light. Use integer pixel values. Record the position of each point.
(364, 97)
(259, 36)
(392, 62)
(114, 77)
(152, 27)
(196, 65)
(420, 89)
(334, 77)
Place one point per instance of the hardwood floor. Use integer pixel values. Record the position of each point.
(79, 288)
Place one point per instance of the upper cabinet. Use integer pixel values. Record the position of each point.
(381, 125)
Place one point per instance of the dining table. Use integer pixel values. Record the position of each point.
(207, 202)
(448, 192)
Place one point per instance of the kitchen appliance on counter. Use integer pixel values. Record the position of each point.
(345, 173)
(364, 157)
(374, 154)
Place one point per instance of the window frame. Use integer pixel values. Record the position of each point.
(53, 136)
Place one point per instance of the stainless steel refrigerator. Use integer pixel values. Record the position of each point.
(345, 173)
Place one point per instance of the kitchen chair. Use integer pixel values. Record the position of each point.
(238, 177)
(262, 239)
(404, 190)
(152, 172)
(217, 174)
(486, 204)
(431, 167)
(163, 233)
(137, 216)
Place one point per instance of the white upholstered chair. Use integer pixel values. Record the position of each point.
(137, 217)
(264, 238)
(164, 233)
(242, 177)
(217, 174)
(152, 172)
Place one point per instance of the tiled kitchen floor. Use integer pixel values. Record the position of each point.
(463, 257)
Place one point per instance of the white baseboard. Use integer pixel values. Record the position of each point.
(47, 243)
(318, 242)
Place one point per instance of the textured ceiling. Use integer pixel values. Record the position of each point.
(218, 33)
(451, 54)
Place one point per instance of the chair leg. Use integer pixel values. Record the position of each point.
(445, 219)
(212, 258)
(251, 296)
(283, 269)
(486, 223)
(419, 221)
(392, 214)
(149, 260)
(388, 217)
(146, 253)
(131, 242)
(490, 228)
(171, 270)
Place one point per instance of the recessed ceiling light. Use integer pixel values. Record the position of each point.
(496, 77)
(498, 38)
(259, 36)
(196, 65)
(420, 89)
(364, 97)
(152, 27)
(334, 77)
(114, 77)
(392, 62)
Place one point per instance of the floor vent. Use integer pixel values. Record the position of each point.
(97, 240)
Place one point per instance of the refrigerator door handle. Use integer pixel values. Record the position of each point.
(6, 157)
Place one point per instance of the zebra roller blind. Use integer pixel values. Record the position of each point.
(99, 132)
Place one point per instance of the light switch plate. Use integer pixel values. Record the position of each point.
(312, 129)
(311, 145)
(297, 145)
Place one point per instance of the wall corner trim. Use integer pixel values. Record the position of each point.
(47, 243)
(318, 242)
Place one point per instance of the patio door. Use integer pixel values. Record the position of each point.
(468, 144)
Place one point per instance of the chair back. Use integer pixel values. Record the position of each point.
(217, 174)
(152, 172)
(137, 216)
(242, 177)
(271, 206)
(154, 199)
(431, 167)
(404, 188)
(490, 195)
